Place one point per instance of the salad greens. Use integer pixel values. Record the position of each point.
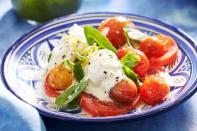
(73, 105)
(130, 59)
(132, 75)
(93, 35)
(71, 94)
(78, 71)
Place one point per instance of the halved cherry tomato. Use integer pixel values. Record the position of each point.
(114, 28)
(95, 107)
(50, 91)
(124, 91)
(160, 51)
(142, 67)
(153, 90)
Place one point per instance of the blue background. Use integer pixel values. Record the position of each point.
(179, 13)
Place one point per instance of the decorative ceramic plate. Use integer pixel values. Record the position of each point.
(24, 65)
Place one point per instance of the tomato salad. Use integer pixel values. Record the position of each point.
(110, 70)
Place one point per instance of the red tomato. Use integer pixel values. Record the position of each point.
(49, 90)
(124, 91)
(142, 67)
(153, 90)
(123, 51)
(115, 33)
(95, 107)
(155, 69)
(160, 52)
(152, 46)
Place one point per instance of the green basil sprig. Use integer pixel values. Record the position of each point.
(132, 75)
(70, 94)
(93, 35)
(130, 59)
(78, 71)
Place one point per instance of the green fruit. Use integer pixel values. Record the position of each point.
(44, 10)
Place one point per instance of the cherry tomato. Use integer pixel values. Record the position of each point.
(153, 90)
(95, 107)
(124, 91)
(160, 55)
(114, 28)
(142, 67)
(60, 77)
(49, 90)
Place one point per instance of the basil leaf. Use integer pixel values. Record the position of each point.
(93, 35)
(130, 59)
(73, 105)
(49, 57)
(132, 75)
(78, 71)
(71, 94)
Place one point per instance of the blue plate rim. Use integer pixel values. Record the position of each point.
(186, 96)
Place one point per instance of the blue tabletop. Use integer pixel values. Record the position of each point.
(179, 13)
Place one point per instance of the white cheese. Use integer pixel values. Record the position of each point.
(77, 31)
(67, 46)
(104, 71)
(64, 51)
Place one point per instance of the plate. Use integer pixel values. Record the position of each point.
(24, 65)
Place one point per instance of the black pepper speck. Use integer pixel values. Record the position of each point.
(63, 56)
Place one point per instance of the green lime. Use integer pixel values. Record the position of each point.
(44, 10)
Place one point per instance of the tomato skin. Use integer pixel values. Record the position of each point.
(60, 77)
(155, 70)
(142, 67)
(123, 51)
(169, 55)
(153, 90)
(95, 107)
(115, 34)
(124, 91)
(49, 90)
(152, 46)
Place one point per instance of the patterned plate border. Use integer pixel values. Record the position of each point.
(165, 107)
